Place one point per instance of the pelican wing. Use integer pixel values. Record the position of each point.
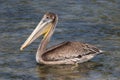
(69, 50)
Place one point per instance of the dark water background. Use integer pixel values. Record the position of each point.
(93, 21)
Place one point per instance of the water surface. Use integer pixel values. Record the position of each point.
(93, 21)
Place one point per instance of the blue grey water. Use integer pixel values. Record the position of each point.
(92, 21)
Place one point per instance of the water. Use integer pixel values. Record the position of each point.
(93, 21)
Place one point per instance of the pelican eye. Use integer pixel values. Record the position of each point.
(47, 17)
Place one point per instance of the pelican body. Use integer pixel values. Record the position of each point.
(63, 53)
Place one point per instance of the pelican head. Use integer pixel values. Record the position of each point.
(45, 27)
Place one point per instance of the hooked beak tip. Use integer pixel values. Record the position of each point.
(21, 48)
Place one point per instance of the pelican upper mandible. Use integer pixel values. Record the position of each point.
(64, 53)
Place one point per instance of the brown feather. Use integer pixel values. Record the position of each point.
(69, 50)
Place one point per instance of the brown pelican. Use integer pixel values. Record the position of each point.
(63, 53)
